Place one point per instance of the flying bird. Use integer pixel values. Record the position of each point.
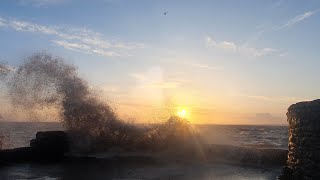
(165, 13)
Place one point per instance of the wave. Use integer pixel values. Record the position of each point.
(45, 82)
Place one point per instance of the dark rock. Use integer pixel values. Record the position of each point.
(304, 141)
(9, 156)
(49, 145)
(286, 173)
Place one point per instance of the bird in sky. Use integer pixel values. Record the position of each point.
(165, 13)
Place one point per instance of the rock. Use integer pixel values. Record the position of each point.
(304, 141)
(49, 145)
(286, 173)
(9, 156)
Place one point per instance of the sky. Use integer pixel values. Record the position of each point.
(223, 62)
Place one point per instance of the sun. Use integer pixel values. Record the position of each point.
(182, 113)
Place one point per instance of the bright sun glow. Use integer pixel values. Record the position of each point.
(182, 113)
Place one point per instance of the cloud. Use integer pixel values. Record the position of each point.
(278, 4)
(155, 83)
(41, 3)
(83, 48)
(164, 85)
(2, 22)
(250, 51)
(283, 54)
(205, 66)
(228, 45)
(233, 47)
(274, 98)
(76, 39)
(297, 19)
(111, 89)
(154, 78)
(72, 46)
(138, 76)
(266, 117)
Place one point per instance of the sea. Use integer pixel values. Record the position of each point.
(19, 134)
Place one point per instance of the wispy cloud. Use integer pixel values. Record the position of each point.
(41, 3)
(206, 66)
(233, 47)
(265, 116)
(138, 76)
(2, 22)
(111, 89)
(151, 79)
(278, 3)
(77, 39)
(273, 98)
(164, 85)
(72, 46)
(297, 19)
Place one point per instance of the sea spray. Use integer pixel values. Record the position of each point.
(46, 82)
(4, 141)
(1, 141)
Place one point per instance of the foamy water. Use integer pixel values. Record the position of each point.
(18, 134)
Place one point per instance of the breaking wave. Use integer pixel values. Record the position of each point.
(47, 82)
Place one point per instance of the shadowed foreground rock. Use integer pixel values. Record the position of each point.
(47, 147)
(52, 146)
(304, 142)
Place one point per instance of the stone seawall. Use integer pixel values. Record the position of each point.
(304, 141)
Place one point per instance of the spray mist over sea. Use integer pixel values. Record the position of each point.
(45, 82)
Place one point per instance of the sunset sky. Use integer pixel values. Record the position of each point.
(223, 62)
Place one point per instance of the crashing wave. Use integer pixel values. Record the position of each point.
(45, 81)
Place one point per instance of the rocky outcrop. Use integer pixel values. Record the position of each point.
(304, 141)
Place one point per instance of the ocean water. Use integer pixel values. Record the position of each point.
(19, 134)
(274, 137)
